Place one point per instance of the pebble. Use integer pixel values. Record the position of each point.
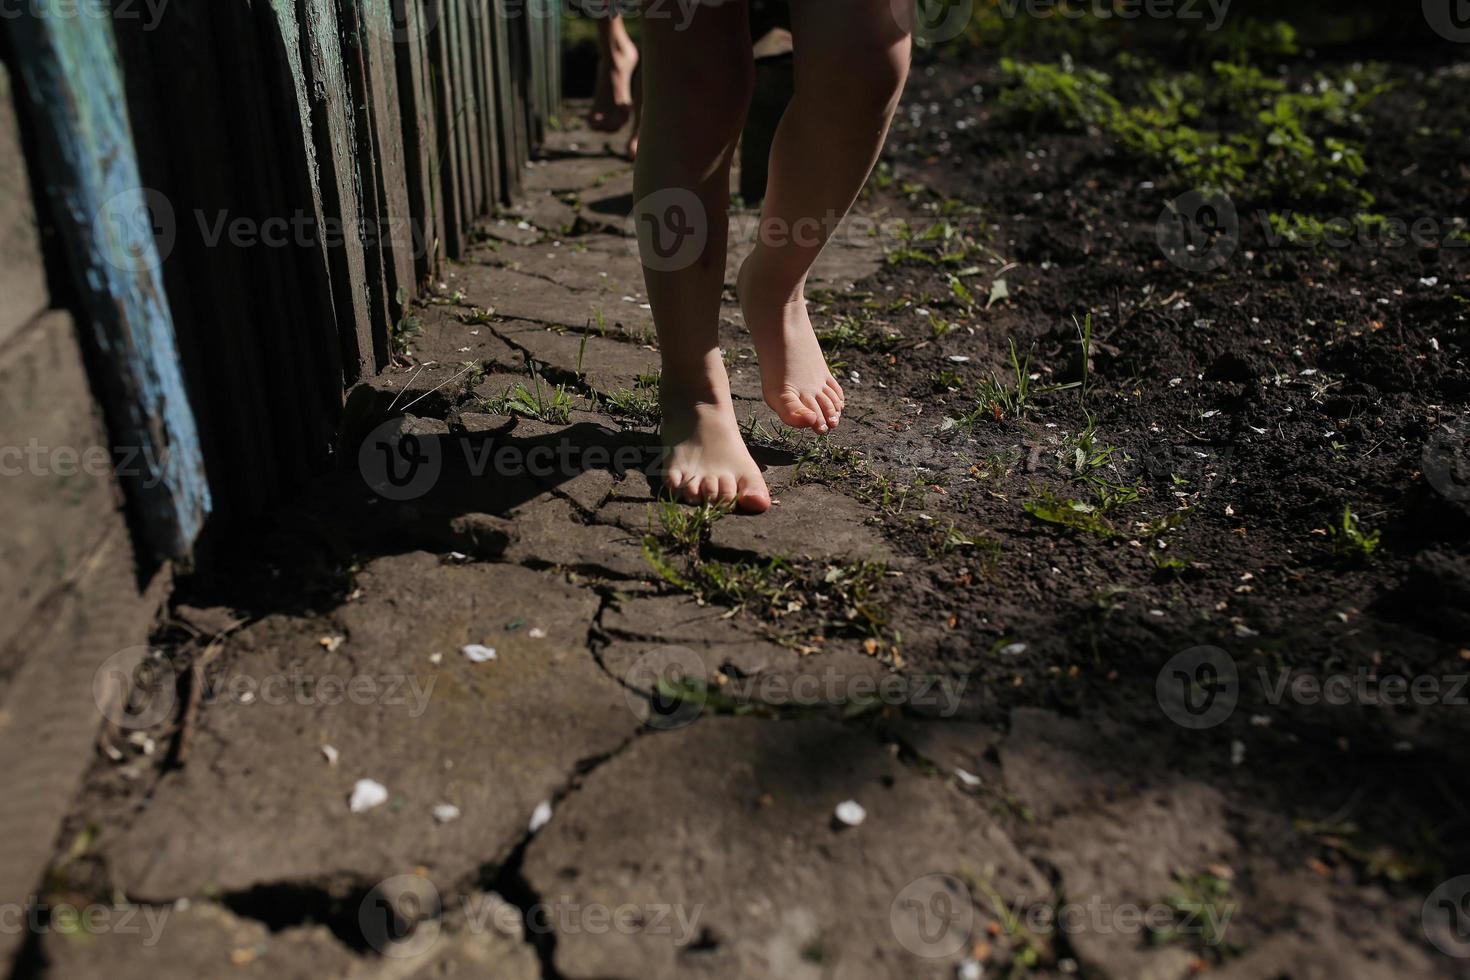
(1013, 649)
(330, 752)
(851, 813)
(541, 816)
(367, 794)
(478, 653)
(446, 812)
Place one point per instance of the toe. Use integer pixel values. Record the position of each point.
(729, 490)
(795, 412)
(674, 481)
(834, 390)
(819, 418)
(692, 487)
(829, 410)
(752, 496)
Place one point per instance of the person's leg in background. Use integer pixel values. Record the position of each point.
(613, 100)
(851, 62)
(697, 76)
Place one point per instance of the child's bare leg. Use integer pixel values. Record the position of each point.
(851, 61)
(697, 85)
(617, 58)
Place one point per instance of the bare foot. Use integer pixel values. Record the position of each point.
(794, 375)
(706, 458)
(612, 101)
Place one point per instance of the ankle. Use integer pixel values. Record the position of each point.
(761, 281)
(683, 392)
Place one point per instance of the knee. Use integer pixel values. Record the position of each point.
(870, 92)
(709, 91)
(718, 96)
(878, 87)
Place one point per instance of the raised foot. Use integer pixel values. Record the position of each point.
(612, 100)
(794, 376)
(706, 459)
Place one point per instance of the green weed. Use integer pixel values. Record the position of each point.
(1069, 513)
(1350, 540)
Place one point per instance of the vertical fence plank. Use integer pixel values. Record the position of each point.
(483, 60)
(71, 72)
(292, 364)
(363, 235)
(334, 134)
(469, 116)
(416, 101)
(396, 227)
(442, 74)
(519, 61)
(505, 117)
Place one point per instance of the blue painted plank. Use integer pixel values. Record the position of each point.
(69, 69)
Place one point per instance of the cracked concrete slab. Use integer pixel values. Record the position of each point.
(675, 619)
(550, 532)
(757, 673)
(726, 829)
(1328, 941)
(592, 268)
(560, 174)
(200, 939)
(607, 365)
(811, 522)
(444, 343)
(1117, 846)
(260, 803)
(522, 296)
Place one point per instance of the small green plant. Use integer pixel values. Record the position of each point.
(407, 328)
(999, 399)
(477, 316)
(638, 405)
(1084, 339)
(541, 402)
(1202, 911)
(1349, 538)
(852, 333)
(687, 527)
(1074, 514)
(843, 597)
(1239, 132)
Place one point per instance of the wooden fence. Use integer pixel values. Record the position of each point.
(304, 167)
(212, 215)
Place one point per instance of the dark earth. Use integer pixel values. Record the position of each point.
(1143, 648)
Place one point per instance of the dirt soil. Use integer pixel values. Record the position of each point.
(1066, 656)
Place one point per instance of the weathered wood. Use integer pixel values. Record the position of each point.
(355, 45)
(416, 101)
(70, 71)
(519, 60)
(512, 153)
(334, 133)
(297, 369)
(467, 113)
(173, 74)
(395, 230)
(23, 293)
(444, 115)
(483, 60)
